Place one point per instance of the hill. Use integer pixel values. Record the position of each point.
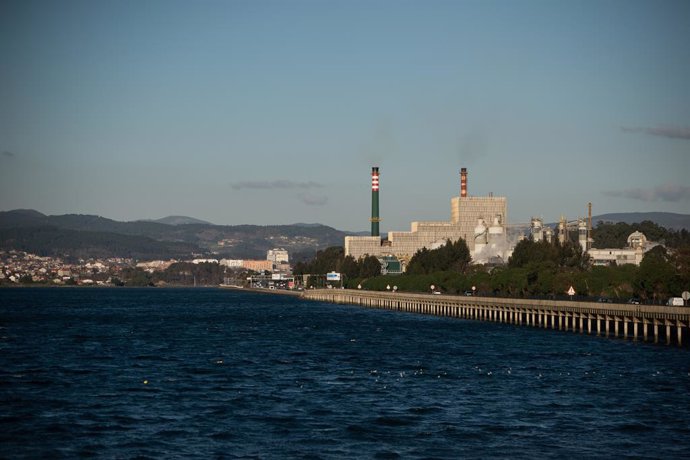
(19, 229)
(668, 220)
(179, 220)
(182, 237)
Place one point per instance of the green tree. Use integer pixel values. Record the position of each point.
(370, 267)
(349, 267)
(530, 252)
(452, 256)
(136, 277)
(655, 275)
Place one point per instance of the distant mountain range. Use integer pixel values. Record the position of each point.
(179, 220)
(179, 237)
(668, 220)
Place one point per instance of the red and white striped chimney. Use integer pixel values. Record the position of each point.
(463, 182)
(374, 179)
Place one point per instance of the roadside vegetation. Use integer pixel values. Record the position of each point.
(536, 269)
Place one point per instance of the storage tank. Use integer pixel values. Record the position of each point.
(480, 236)
(582, 234)
(537, 229)
(496, 232)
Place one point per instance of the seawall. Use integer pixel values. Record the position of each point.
(636, 322)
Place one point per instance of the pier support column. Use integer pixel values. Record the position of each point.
(645, 329)
(582, 324)
(606, 324)
(616, 320)
(679, 327)
(625, 327)
(599, 319)
(635, 323)
(656, 331)
(668, 332)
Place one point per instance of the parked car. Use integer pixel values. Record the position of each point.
(675, 302)
(604, 300)
(634, 301)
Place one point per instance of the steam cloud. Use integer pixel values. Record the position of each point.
(314, 200)
(668, 193)
(275, 185)
(674, 132)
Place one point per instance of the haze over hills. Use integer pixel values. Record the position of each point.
(668, 220)
(179, 220)
(179, 237)
(83, 235)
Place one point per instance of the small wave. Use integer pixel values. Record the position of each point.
(638, 427)
(223, 436)
(172, 433)
(57, 428)
(425, 410)
(394, 421)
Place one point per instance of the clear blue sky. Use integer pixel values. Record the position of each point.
(256, 112)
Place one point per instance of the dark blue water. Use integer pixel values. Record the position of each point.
(202, 373)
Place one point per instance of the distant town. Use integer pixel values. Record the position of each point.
(476, 252)
(22, 268)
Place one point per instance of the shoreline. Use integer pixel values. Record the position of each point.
(262, 290)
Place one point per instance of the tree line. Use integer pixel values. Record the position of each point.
(535, 269)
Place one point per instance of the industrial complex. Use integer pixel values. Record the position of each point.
(482, 221)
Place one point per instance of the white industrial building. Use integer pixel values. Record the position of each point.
(277, 256)
(480, 221)
(632, 254)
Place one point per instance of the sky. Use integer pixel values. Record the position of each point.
(273, 112)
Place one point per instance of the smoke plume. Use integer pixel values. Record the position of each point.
(275, 185)
(667, 193)
(674, 132)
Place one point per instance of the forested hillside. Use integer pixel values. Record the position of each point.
(98, 236)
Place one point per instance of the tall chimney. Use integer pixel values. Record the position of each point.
(463, 182)
(589, 227)
(375, 219)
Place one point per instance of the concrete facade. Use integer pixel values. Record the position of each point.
(465, 212)
(633, 254)
(258, 265)
(277, 255)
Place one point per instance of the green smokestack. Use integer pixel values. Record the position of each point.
(375, 219)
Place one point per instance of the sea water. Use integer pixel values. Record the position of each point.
(211, 373)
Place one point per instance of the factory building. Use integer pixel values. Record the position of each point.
(466, 213)
(632, 254)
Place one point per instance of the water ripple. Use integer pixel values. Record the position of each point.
(183, 373)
